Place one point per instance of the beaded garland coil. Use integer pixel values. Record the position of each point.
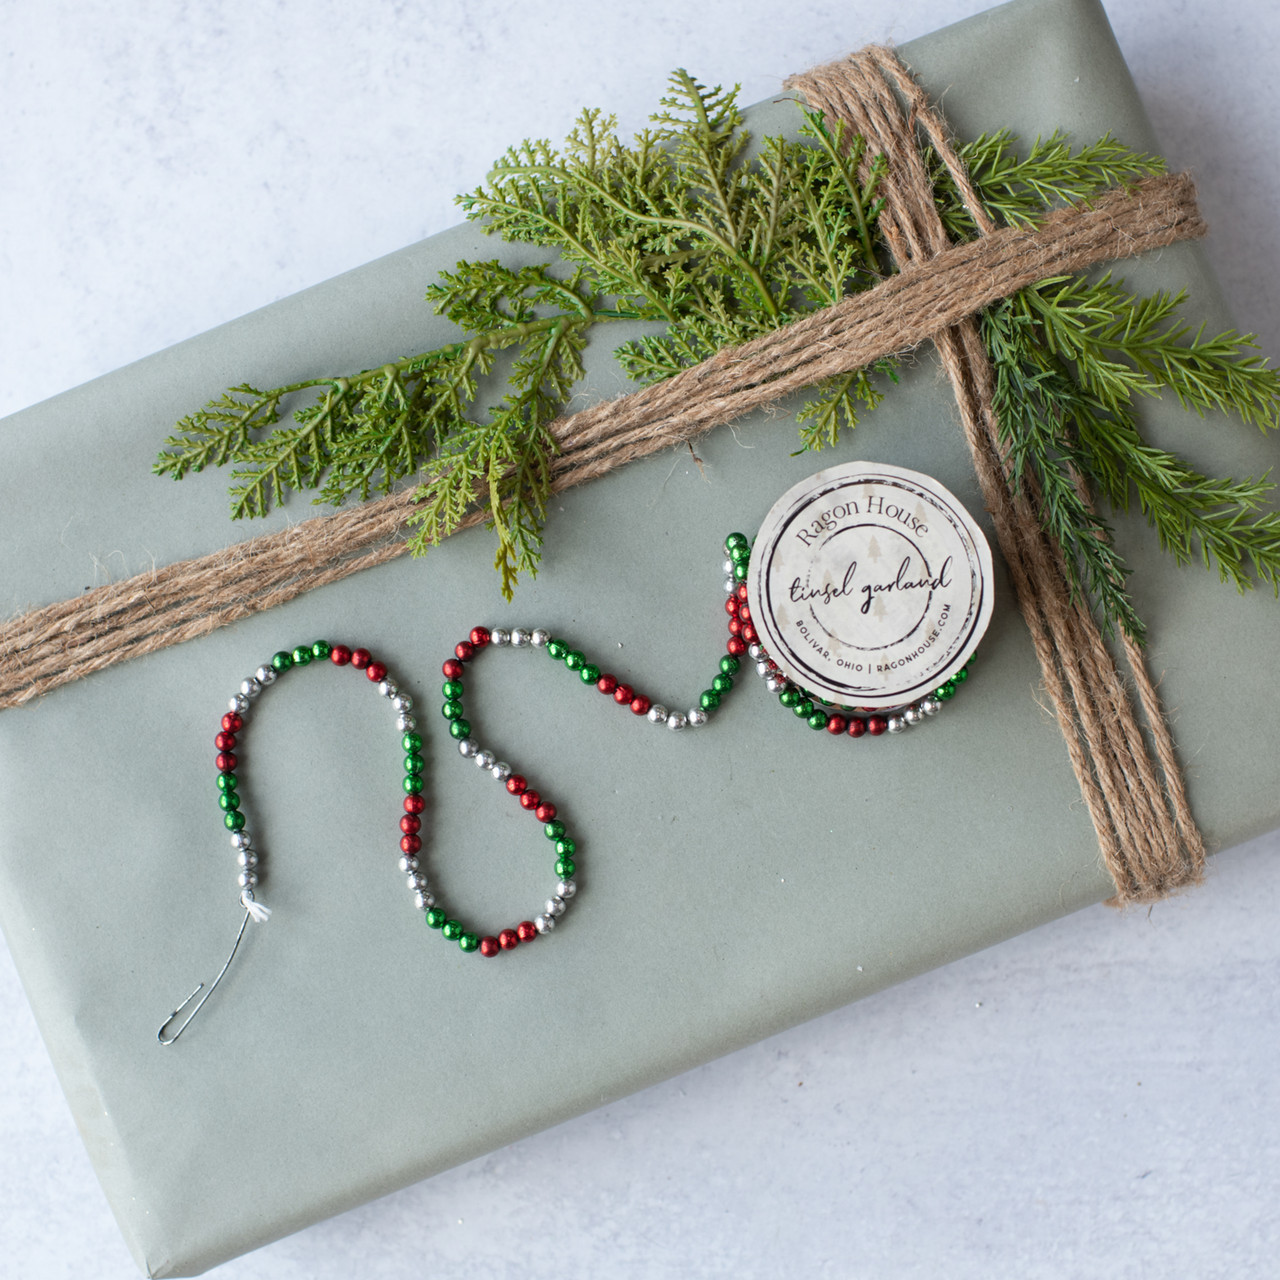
(743, 645)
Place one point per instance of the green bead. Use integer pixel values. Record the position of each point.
(575, 659)
(452, 711)
(452, 929)
(590, 673)
(557, 649)
(460, 729)
(321, 650)
(413, 783)
(555, 829)
(567, 847)
(411, 742)
(739, 554)
(818, 720)
(301, 656)
(947, 692)
(740, 569)
(228, 800)
(413, 763)
(452, 690)
(282, 661)
(722, 684)
(709, 700)
(234, 820)
(227, 782)
(565, 867)
(469, 942)
(435, 918)
(729, 665)
(736, 540)
(803, 708)
(960, 676)
(789, 696)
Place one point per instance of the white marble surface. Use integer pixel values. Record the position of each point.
(1097, 1096)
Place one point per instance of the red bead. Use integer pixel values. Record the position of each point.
(623, 694)
(465, 650)
(410, 844)
(516, 784)
(479, 636)
(744, 611)
(736, 646)
(410, 824)
(225, 762)
(749, 633)
(452, 669)
(232, 722)
(530, 800)
(877, 725)
(735, 625)
(414, 804)
(489, 947)
(607, 683)
(340, 655)
(225, 741)
(857, 726)
(836, 724)
(360, 658)
(546, 811)
(508, 938)
(376, 671)
(731, 605)
(526, 931)
(741, 592)
(640, 705)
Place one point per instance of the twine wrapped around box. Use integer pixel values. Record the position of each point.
(1136, 796)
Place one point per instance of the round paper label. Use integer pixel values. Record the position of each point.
(869, 585)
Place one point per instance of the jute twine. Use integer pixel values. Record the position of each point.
(1138, 804)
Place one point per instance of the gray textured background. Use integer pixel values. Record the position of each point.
(1102, 1089)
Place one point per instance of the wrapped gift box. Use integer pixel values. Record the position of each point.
(734, 881)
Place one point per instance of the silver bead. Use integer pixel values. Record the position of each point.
(520, 638)
(930, 706)
(241, 839)
(544, 924)
(247, 859)
(409, 864)
(755, 651)
(697, 717)
(657, 714)
(402, 703)
(554, 906)
(730, 586)
(499, 636)
(540, 637)
(484, 759)
(764, 668)
(776, 683)
(265, 675)
(913, 715)
(416, 881)
(897, 724)
(676, 721)
(239, 703)
(247, 878)
(250, 687)
(406, 723)
(501, 770)
(727, 568)
(423, 900)
(468, 747)
(566, 889)
(388, 688)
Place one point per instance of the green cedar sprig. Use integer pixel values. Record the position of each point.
(683, 227)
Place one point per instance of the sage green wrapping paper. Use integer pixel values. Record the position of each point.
(735, 880)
